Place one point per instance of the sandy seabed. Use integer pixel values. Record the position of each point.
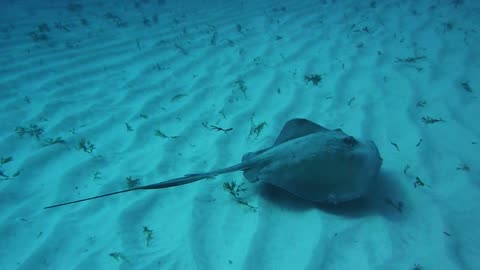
(96, 96)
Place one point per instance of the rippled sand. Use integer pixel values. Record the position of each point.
(144, 84)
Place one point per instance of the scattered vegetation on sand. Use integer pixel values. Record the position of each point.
(417, 267)
(241, 86)
(418, 182)
(256, 129)
(5, 160)
(159, 67)
(229, 42)
(395, 145)
(463, 167)
(213, 39)
(86, 146)
(217, 128)
(258, 61)
(410, 59)
(412, 62)
(97, 176)
(40, 35)
(421, 103)
(147, 22)
(43, 27)
(466, 86)
(178, 97)
(160, 134)
(181, 49)
(315, 79)
(233, 189)
(119, 257)
(33, 130)
(3, 175)
(457, 3)
(84, 22)
(116, 19)
(419, 142)
(236, 190)
(51, 141)
(128, 127)
(74, 7)
(447, 26)
(350, 101)
(405, 169)
(148, 235)
(131, 182)
(430, 120)
(397, 205)
(279, 9)
(222, 113)
(239, 28)
(62, 27)
(72, 44)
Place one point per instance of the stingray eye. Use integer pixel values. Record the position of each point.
(350, 141)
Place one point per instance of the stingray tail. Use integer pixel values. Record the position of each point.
(90, 198)
(189, 178)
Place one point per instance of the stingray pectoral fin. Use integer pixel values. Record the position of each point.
(166, 184)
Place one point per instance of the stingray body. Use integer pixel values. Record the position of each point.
(307, 160)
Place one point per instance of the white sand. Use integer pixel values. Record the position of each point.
(87, 81)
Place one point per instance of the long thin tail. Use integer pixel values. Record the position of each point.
(91, 198)
(189, 178)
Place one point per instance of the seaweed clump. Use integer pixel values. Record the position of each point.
(4, 176)
(132, 183)
(256, 129)
(86, 146)
(148, 235)
(119, 257)
(33, 130)
(236, 190)
(315, 79)
(430, 120)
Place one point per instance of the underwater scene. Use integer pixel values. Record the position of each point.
(245, 134)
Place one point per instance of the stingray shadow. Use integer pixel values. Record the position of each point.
(374, 203)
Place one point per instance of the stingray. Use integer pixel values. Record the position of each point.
(307, 160)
